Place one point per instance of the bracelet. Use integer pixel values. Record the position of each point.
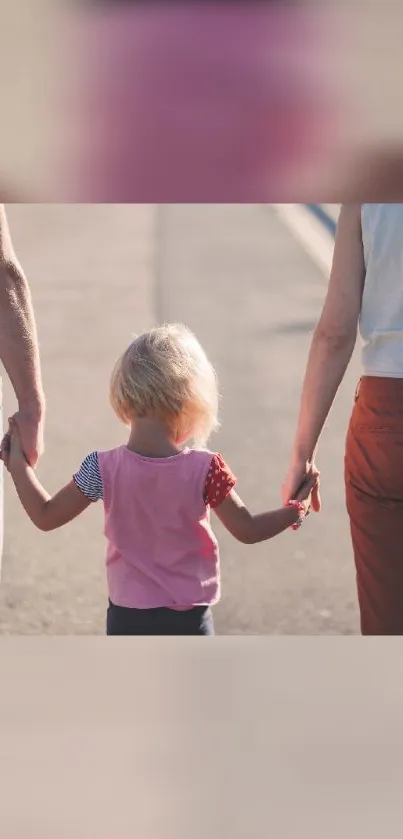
(301, 509)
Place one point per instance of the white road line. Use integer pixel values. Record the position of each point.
(312, 234)
(332, 210)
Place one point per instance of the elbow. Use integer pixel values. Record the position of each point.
(43, 526)
(46, 526)
(44, 519)
(43, 523)
(246, 537)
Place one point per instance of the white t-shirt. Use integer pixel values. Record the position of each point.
(381, 319)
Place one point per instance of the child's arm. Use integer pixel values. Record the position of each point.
(249, 529)
(45, 512)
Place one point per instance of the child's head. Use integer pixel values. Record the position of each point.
(166, 374)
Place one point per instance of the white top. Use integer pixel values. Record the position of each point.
(381, 319)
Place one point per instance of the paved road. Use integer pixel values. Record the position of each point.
(237, 276)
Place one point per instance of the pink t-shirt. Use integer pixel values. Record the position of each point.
(161, 548)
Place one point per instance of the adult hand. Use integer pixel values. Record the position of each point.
(296, 476)
(304, 494)
(30, 423)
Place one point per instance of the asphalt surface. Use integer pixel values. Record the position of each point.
(237, 277)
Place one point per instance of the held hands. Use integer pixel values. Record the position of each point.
(29, 426)
(303, 498)
(296, 482)
(12, 452)
(306, 492)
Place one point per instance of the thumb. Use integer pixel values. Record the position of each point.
(316, 501)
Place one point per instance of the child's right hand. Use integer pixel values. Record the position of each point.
(304, 494)
(5, 449)
(12, 452)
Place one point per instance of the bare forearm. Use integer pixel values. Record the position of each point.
(19, 351)
(264, 526)
(335, 335)
(327, 363)
(32, 495)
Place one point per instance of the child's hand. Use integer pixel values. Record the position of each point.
(305, 491)
(11, 448)
(5, 449)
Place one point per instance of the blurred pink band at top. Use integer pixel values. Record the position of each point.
(195, 101)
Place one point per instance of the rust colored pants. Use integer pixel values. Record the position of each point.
(374, 494)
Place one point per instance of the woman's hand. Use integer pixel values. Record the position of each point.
(305, 492)
(298, 478)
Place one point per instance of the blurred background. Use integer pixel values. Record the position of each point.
(201, 101)
(250, 281)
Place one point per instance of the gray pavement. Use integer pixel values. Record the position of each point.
(236, 276)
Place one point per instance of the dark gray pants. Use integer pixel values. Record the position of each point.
(123, 621)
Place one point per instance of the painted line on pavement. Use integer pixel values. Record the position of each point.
(310, 228)
(320, 212)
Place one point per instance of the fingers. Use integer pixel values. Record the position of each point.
(5, 449)
(313, 479)
(27, 438)
(307, 487)
(11, 428)
(11, 439)
(13, 431)
(12, 425)
(6, 440)
(316, 499)
(303, 487)
(33, 458)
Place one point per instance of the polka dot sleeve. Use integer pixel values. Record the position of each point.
(219, 482)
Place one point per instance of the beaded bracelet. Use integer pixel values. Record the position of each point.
(301, 509)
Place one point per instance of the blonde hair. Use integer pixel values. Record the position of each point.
(166, 373)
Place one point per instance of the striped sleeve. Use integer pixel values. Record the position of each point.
(88, 478)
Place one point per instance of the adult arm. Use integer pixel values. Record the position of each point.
(331, 349)
(19, 350)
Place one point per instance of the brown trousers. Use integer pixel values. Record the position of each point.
(374, 494)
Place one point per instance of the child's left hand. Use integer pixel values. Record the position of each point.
(305, 491)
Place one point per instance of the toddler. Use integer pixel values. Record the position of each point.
(162, 556)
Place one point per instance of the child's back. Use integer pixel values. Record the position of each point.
(161, 549)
